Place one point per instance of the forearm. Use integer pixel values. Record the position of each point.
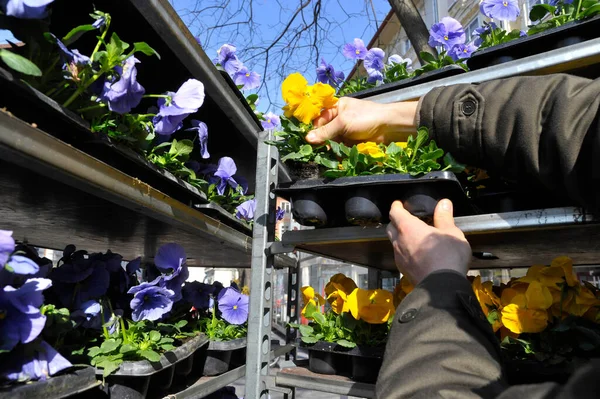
(541, 130)
(447, 349)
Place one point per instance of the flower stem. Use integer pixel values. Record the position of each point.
(156, 96)
(104, 329)
(101, 40)
(91, 107)
(81, 89)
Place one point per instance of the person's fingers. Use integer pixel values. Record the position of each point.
(327, 115)
(326, 132)
(391, 231)
(401, 218)
(443, 215)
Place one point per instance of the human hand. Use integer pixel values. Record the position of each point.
(420, 249)
(352, 121)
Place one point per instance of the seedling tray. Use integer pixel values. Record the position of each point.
(444, 72)
(366, 200)
(142, 378)
(551, 39)
(224, 355)
(73, 381)
(240, 96)
(359, 363)
(217, 212)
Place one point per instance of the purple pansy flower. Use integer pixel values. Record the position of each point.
(134, 265)
(446, 33)
(396, 59)
(170, 260)
(485, 29)
(150, 301)
(233, 306)
(327, 74)
(7, 246)
(22, 265)
(502, 10)
(249, 80)
(228, 60)
(188, 99)
(279, 213)
(89, 315)
(21, 320)
(226, 171)
(198, 294)
(202, 130)
(25, 9)
(522, 33)
(355, 50)
(271, 121)
(246, 210)
(126, 93)
(99, 23)
(28, 363)
(461, 51)
(71, 56)
(374, 64)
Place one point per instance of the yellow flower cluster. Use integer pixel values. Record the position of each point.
(530, 303)
(372, 306)
(309, 297)
(303, 101)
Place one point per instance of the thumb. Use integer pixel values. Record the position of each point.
(443, 217)
(326, 132)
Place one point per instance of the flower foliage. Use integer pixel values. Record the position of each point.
(225, 315)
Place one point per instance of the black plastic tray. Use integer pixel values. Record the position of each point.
(562, 36)
(142, 378)
(217, 212)
(71, 382)
(366, 200)
(444, 72)
(224, 356)
(240, 96)
(359, 363)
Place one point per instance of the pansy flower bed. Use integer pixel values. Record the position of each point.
(97, 80)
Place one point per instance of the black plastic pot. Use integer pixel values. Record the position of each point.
(360, 363)
(143, 378)
(71, 382)
(562, 36)
(366, 200)
(220, 357)
(534, 372)
(303, 170)
(444, 72)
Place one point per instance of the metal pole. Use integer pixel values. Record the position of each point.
(259, 318)
(292, 307)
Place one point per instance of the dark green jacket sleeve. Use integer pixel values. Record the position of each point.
(442, 346)
(536, 130)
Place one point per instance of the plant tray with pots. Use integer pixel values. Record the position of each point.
(366, 200)
(70, 382)
(240, 96)
(217, 212)
(570, 33)
(32, 106)
(223, 356)
(139, 379)
(359, 363)
(444, 72)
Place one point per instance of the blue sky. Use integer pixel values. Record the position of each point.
(342, 21)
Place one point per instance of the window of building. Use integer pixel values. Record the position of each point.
(470, 28)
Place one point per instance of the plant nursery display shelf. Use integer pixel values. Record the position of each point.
(53, 195)
(578, 58)
(301, 377)
(501, 240)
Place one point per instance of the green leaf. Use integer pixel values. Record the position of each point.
(346, 344)
(591, 11)
(328, 163)
(433, 155)
(393, 149)
(127, 348)
(109, 345)
(252, 99)
(19, 63)
(452, 164)
(353, 157)
(94, 351)
(76, 33)
(109, 366)
(309, 340)
(167, 347)
(179, 148)
(144, 48)
(539, 11)
(427, 57)
(292, 156)
(150, 355)
(319, 318)
(306, 150)
(305, 330)
(154, 336)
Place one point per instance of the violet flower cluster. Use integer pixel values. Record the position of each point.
(228, 304)
(450, 35)
(25, 9)
(24, 355)
(241, 75)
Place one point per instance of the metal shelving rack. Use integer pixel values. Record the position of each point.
(498, 240)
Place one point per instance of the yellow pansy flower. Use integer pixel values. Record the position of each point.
(527, 312)
(372, 306)
(566, 265)
(308, 297)
(245, 290)
(346, 283)
(303, 101)
(401, 144)
(488, 300)
(338, 299)
(371, 149)
(549, 276)
(403, 288)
